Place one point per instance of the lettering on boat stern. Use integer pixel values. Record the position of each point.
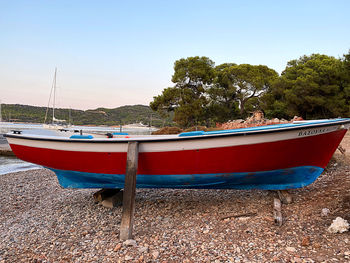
(313, 132)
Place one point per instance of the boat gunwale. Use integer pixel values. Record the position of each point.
(226, 133)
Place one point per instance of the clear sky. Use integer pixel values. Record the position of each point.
(114, 53)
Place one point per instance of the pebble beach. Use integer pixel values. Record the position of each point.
(42, 222)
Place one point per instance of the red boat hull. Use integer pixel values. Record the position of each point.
(310, 151)
(288, 159)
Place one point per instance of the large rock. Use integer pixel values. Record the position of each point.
(339, 225)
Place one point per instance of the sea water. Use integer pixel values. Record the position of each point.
(12, 164)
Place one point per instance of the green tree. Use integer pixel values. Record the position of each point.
(223, 105)
(346, 80)
(192, 77)
(311, 87)
(247, 83)
(166, 102)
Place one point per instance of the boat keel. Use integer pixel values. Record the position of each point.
(290, 178)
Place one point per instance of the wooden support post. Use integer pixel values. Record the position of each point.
(277, 211)
(341, 149)
(285, 197)
(129, 192)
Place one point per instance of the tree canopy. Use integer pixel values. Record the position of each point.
(223, 103)
(312, 87)
(187, 98)
(248, 82)
(315, 86)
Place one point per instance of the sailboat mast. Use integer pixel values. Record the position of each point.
(69, 116)
(0, 112)
(54, 96)
(48, 103)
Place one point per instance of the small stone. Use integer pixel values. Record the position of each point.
(291, 249)
(206, 231)
(347, 254)
(275, 258)
(306, 241)
(325, 212)
(155, 254)
(244, 218)
(117, 247)
(128, 257)
(317, 245)
(297, 260)
(143, 249)
(130, 243)
(321, 258)
(166, 219)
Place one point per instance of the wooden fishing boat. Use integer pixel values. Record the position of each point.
(271, 157)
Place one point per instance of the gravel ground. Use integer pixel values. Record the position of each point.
(41, 222)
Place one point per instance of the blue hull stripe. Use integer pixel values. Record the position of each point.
(290, 178)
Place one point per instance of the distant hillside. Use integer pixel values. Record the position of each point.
(101, 116)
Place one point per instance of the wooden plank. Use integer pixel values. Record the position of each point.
(239, 215)
(129, 191)
(277, 211)
(105, 193)
(113, 201)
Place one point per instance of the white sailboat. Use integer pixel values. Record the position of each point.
(56, 123)
(0, 112)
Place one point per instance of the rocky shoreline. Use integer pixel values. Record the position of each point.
(41, 222)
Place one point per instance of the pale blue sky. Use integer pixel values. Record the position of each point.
(113, 53)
